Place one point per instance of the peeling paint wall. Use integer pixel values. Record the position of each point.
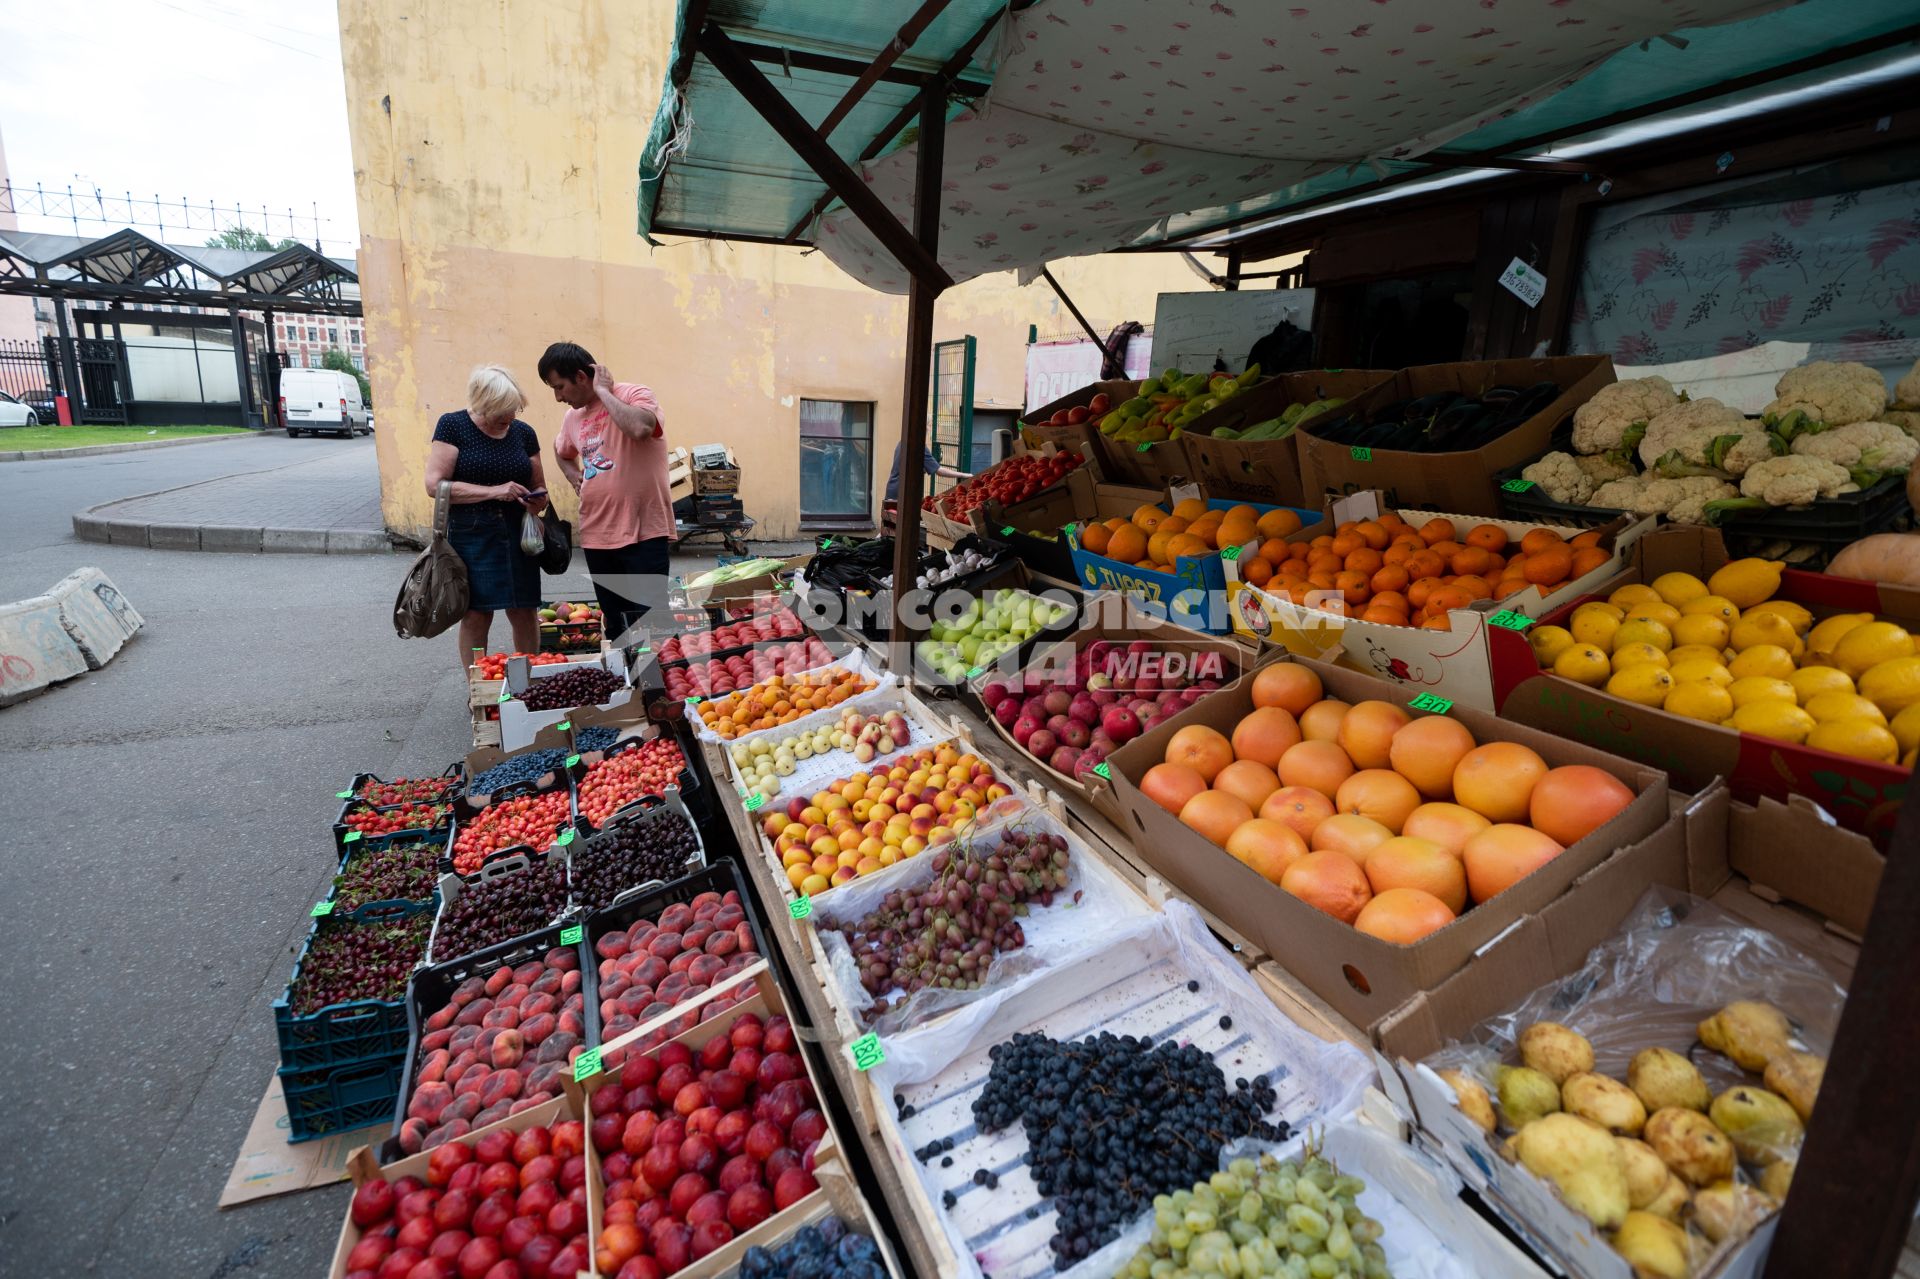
(495, 154)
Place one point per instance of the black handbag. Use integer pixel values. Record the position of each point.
(556, 552)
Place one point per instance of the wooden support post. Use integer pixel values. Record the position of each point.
(902, 41)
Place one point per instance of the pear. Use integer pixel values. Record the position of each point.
(1604, 1101)
(1662, 1078)
(1776, 1178)
(1690, 1145)
(1654, 1246)
(1796, 1076)
(1525, 1095)
(1472, 1096)
(1583, 1163)
(1555, 1051)
(1672, 1199)
(1750, 1032)
(1729, 1210)
(1646, 1175)
(1761, 1125)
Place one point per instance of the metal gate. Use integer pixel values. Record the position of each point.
(100, 368)
(24, 376)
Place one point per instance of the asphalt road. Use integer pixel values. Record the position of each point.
(169, 824)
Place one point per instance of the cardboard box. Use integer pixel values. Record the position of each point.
(1033, 527)
(1266, 470)
(518, 725)
(1361, 976)
(486, 692)
(1862, 795)
(1152, 465)
(1461, 481)
(1034, 428)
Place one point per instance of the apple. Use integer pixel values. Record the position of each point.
(1043, 742)
(1120, 724)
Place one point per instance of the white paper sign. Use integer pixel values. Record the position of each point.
(1523, 282)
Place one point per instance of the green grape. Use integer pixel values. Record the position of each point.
(1225, 1184)
(1162, 1270)
(1297, 1268)
(1252, 1208)
(1139, 1267)
(1242, 1231)
(1313, 1195)
(1277, 1232)
(1339, 1242)
(1199, 1219)
(1367, 1231)
(1348, 1186)
(1307, 1221)
(1304, 1244)
(1179, 1238)
(1242, 1168)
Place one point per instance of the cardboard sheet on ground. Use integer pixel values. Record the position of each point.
(269, 1165)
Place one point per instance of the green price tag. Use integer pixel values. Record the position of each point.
(1071, 530)
(755, 800)
(586, 1065)
(343, 794)
(566, 837)
(1144, 446)
(1428, 702)
(1511, 620)
(867, 1052)
(321, 908)
(1103, 769)
(570, 936)
(1517, 486)
(800, 907)
(827, 545)
(975, 672)
(351, 837)
(1231, 553)
(1006, 530)
(1361, 454)
(695, 700)
(564, 725)
(572, 760)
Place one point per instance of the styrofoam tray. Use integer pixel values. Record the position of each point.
(853, 660)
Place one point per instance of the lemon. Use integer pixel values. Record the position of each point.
(1747, 582)
(1644, 683)
(1549, 642)
(1831, 706)
(1584, 664)
(1861, 738)
(1911, 759)
(1764, 628)
(1601, 606)
(1699, 699)
(1701, 628)
(1665, 614)
(1681, 652)
(1892, 686)
(1596, 629)
(1811, 681)
(1796, 613)
(1762, 659)
(1639, 655)
(1709, 669)
(1870, 644)
(1679, 589)
(1634, 593)
(1712, 606)
(1825, 635)
(1776, 719)
(1643, 630)
(1762, 688)
(1906, 728)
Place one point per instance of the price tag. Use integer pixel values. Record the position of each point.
(1006, 530)
(800, 907)
(867, 1052)
(572, 760)
(505, 696)
(1428, 702)
(755, 800)
(351, 837)
(570, 936)
(1144, 446)
(321, 908)
(1071, 530)
(1516, 486)
(1360, 454)
(1103, 769)
(1524, 282)
(586, 1065)
(1231, 553)
(695, 700)
(975, 672)
(343, 794)
(566, 837)
(1511, 620)
(564, 725)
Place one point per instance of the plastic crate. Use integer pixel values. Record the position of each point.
(432, 986)
(341, 1034)
(690, 788)
(507, 861)
(348, 842)
(365, 848)
(648, 808)
(720, 877)
(341, 830)
(321, 1103)
(455, 778)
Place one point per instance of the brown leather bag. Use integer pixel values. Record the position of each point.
(434, 595)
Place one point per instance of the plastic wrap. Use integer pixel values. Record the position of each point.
(854, 660)
(1134, 982)
(1094, 901)
(810, 773)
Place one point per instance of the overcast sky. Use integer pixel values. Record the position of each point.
(213, 101)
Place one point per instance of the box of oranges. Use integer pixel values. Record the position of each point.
(1168, 555)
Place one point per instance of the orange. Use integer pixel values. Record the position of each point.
(1436, 530)
(1439, 623)
(1215, 814)
(1267, 846)
(1384, 615)
(1148, 517)
(1365, 560)
(1550, 566)
(1324, 562)
(1299, 808)
(1265, 734)
(1448, 825)
(1191, 508)
(1095, 538)
(1128, 544)
(1393, 577)
(1351, 834)
(1584, 540)
(1490, 536)
(1410, 862)
(1171, 785)
(1393, 600)
(1403, 916)
(1501, 856)
(1288, 685)
(1472, 559)
(1321, 721)
(1373, 533)
(1352, 586)
(1420, 592)
(1575, 800)
(1447, 598)
(1329, 882)
(1587, 559)
(1249, 779)
(1366, 734)
(1278, 523)
(1200, 748)
(1426, 752)
(1400, 552)
(1538, 539)
(1173, 524)
(1320, 765)
(1157, 544)
(1345, 544)
(1187, 545)
(1379, 793)
(1235, 531)
(1425, 564)
(1255, 571)
(1276, 552)
(1497, 780)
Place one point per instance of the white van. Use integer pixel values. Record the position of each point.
(313, 401)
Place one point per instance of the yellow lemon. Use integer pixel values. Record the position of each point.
(1583, 663)
(1892, 686)
(1643, 630)
(1830, 706)
(1796, 613)
(1825, 635)
(1639, 655)
(1712, 606)
(1645, 683)
(1781, 720)
(1747, 582)
(1861, 738)
(1708, 669)
(1811, 681)
(1549, 642)
(1762, 688)
(1596, 629)
(1665, 614)
(1702, 628)
(1867, 646)
(1910, 760)
(1601, 606)
(1906, 728)
(1762, 659)
(1634, 593)
(1699, 699)
(1681, 652)
(1679, 589)
(1765, 628)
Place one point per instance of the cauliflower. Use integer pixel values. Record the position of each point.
(1600, 468)
(1684, 500)
(1828, 392)
(1619, 495)
(1792, 481)
(1906, 392)
(1690, 426)
(1606, 422)
(1907, 420)
(1560, 477)
(1869, 450)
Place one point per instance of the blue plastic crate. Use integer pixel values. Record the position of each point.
(344, 1034)
(321, 1103)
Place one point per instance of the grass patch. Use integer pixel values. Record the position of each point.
(27, 438)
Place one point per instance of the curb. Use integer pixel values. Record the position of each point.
(95, 450)
(77, 626)
(230, 538)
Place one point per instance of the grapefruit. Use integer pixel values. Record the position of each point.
(1318, 764)
(1379, 793)
(1497, 780)
(1426, 752)
(1448, 825)
(1571, 802)
(1202, 749)
(1409, 862)
(1403, 916)
(1215, 814)
(1329, 882)
(1287, 685)
(1366, 733)
(1299, 807)
(1501, 856)
(1265, 735)
(1349, 834)
(1171, 786)
(1251, 780)
(1321, 721)
(1267, 847)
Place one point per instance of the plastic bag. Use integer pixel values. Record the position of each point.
(533, 535)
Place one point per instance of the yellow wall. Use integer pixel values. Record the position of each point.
(495, 149)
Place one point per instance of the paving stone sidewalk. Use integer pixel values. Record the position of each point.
(329, 505)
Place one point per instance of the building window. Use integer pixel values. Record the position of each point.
(353, 336)
(836, 461)
(313, 334)
(333, 337)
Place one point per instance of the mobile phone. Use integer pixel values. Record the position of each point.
(536, 492)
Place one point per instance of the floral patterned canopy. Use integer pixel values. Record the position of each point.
(1107, 116)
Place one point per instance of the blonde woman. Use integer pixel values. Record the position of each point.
(493, 460)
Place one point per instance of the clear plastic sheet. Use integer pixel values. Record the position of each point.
(1094, 901)
(811, 773)
(1135, 982)
(854, 660)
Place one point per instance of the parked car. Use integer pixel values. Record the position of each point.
(317, 401)
(41, 402)
(14, 413)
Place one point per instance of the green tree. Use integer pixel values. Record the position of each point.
(245, 237)
(335, 358)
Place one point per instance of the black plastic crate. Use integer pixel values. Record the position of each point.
(454, 779)
(321, 1103)
(433, 986)
(341, 1034)
(346, 842)
(720, 877)
(648, 808)
(341, 830)
(689, 781)
(508, 861)
(465, 812)
(364, 849)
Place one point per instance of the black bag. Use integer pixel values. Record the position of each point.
(557, 552)
(434, 594)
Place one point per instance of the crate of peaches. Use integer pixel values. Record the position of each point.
(780, 700)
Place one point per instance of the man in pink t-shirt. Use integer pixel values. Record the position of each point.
(613, 450)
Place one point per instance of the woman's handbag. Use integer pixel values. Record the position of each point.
(434, 594)
(556, 551)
